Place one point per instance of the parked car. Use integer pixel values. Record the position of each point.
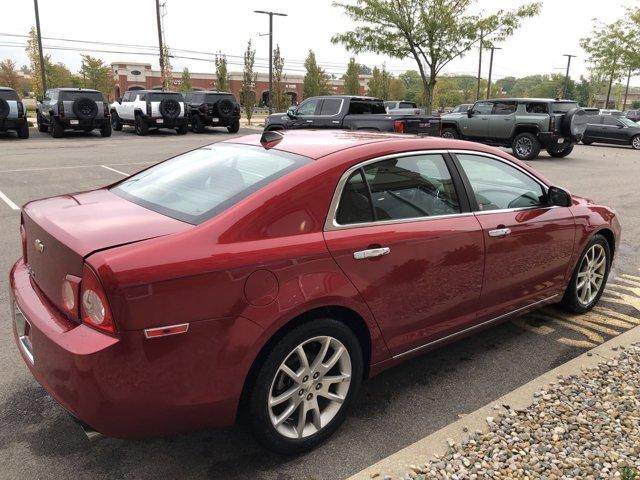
(145, 109)
(611, 129)
(403, 107)
(633, 115)
(215, 109)
(13, 114)
(73, 109)
(268, 276)
(615, 113)
(463, 108)
(350, 113)
(524, 124)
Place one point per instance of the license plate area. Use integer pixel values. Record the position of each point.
(23, 329)
(74, 122)
(215, 119)
(160, 120)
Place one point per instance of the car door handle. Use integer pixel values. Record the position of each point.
(499, 232)
(309, 121)
(371, 252)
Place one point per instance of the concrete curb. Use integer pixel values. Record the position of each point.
(397, 465)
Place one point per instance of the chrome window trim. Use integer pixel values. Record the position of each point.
(331, 224)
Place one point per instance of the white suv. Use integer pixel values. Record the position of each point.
(145, 109)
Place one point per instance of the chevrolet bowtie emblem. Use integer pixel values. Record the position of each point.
(38, 245)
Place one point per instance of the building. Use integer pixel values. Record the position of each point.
(131, 76)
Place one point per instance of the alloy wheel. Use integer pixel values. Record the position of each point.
(635, 143)
(524, 146)
(309, 387)
(447, 135)
(591, 274)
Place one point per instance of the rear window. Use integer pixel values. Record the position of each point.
(563, 107)
(214, 97)
(70, 96)
(198, 185)
(8, 95)
(359, 107)
(407, 105)
(159, 96)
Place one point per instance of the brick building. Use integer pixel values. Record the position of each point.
(130, 76)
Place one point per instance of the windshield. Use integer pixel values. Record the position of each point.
(159, 96)
(627, 122)
(563, 107)
(198, 185)
(72, 96)
(8, 95)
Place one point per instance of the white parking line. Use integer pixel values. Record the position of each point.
(114, 170)
(39, 169)
(8, 201)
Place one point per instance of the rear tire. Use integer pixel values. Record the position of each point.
(42, 127)
(57, 131)
(140, 126)
(635, 142)
(450, 133)
(557, 153)
(234, 127)
(182, 129)
(105, 131)
(526, 146)
(310, 391)
(23, 130)
(197, 124)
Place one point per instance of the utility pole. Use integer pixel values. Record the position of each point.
(479, 68)
(271, 14)
(160, 45)
(566, 76)
(490, 70)
(626, 91)
(42, 66)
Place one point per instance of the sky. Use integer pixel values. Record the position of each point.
(226, 26)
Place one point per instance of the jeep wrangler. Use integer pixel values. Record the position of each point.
(215, 109)
(145, 109)
(525, 124)
(13, 115)
(73, 109)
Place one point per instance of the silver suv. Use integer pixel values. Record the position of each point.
(13, 114)
(73, 109)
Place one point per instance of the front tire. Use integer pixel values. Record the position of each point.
(197, 124)
(42, 127)
(635, 142)
(526, 146)
(57, 131)
(301, 392)
(589, 277)
(450, 133)
(559, 153)
(140, 126)
(23, 130)
(182, 129)
(116, 123)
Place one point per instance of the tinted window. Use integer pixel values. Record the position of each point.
(563, 107)
(8, 95)
(537, 107)
(331, 106)
(95, 96)
(355, 203)
(198, 185)
(497, 185)
(308, 107)
(159, 96)
(504, 108)
(214, 97)
(628, 123)
(407, 105)
(483, 108)
(609, 120)
(359, 107)
(390, 104)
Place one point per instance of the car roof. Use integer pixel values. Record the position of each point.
(152, 91)
(7, 89)
(545, 100)
(209, 91)
(75, 89)
(352, 97)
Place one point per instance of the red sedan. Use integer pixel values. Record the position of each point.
(269, 276)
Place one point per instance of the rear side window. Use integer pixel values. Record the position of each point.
(360, 107)
(537, 107)
(407, 105)
(8, 95)
(483, 108)
(159, 96)
(198, 185)
(72, 96)
(610, 120)
(355, 204)
(331, 106)
(504, 108)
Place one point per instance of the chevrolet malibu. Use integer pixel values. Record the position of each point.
(264, 278)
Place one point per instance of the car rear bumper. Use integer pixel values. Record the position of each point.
(161, 122)
(214, 121)
(78, 124)
(548, 139)
(128, 386)
(12, 123)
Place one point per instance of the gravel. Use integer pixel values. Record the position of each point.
(582, 427)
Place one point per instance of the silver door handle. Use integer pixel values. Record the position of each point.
(309, 121)
(371, 252)
(499, 232)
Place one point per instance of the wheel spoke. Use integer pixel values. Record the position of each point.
(316, 416)
(330, 380)
(283, 397)
(302, 355)
(285, 414)
(323, 353)
(325, 367)
(290, 373)
(334, 397)
(302, 419)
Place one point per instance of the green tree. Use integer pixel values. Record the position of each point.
(185, 81)
(414, 91)
(352, 78)
(9, 74)
(364, 69)
(432, 32)
(222, 75)
(315, 82)
(58, 75)
(34, 62)
(167, 74)
(95, 74)
(249, 80)
(280, 101)
(379, 83)
(397, 90)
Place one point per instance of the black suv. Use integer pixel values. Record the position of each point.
(73, 109)
(13, 115)
(215, 109)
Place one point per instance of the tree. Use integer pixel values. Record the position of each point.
(58, 75)
(9, 75)
(432, 32)
(315, 82)
(222, 75)
(185, 83)
(167, 74)
(280, 101)
(414, 91)
(352, 78)
(397, 89)
(34, 61)
(249, 78)
(363, 69)
(95, 74)
(379, 83)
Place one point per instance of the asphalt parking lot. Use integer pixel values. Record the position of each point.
(38, 440)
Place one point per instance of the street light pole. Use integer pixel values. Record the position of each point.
(42, 66)
(159, 20)
(479, 69)
(271, 14)
(490, 70)
(566, 77)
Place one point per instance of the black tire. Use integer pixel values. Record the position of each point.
(169, 108)
(261, 384)
(450, 133)
(183, 129)
(574, 123)
(587, 142)
(85, 109)
(225, 107)
(57, 130)
(234, 127)
(4, 109)
(42, 127)
(140, 126)
(105, 131)
(560, 152)
(116, 123)
(23, 130)
(570, 301)
(526, 146)
(635, 142)
(197, 124)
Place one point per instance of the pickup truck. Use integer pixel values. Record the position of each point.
(350, 113)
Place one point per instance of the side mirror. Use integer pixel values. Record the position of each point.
(470, 113)
(119, 99)
(558, 197)
(291, 112)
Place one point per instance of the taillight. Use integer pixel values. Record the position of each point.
(20, 109)
(106, 109)
(148, 109)
(398, 126)
(61, 108)
(70, 294)
(552, 124)
(94, 306)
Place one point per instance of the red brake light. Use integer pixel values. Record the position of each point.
(61, 108)
(398, 126)
(94, 306)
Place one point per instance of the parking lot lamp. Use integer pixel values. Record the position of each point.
(566, 77)
(271, 14)
(42, 66)
(490, 70)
